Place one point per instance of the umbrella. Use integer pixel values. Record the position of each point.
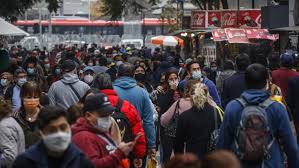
(7, 29)
(167, 41)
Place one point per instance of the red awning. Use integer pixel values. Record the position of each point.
(233, 35)
(236, 35)
(219, 35)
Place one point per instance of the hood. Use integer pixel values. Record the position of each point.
(125, 82)
(255, 96)
(70, 78)
(82, 125)
(109, 92)
(165, 65)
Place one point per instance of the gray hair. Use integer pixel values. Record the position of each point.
(102, 81)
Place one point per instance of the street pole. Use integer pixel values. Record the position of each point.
(40, 19)
(182, 17)
(89, 10)
(238, 11)
(252, 4)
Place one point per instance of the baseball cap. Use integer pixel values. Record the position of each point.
(287, 57)
(88, 68)
(68, 65)
(100, 103)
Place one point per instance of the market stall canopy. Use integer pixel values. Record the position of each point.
(167, 41)
(234, 35)
(7, 29)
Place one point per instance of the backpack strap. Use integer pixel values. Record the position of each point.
(242, 102)
(73, 89)
(119, 104)
(266, 103)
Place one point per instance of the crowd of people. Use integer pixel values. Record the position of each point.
(119, 107)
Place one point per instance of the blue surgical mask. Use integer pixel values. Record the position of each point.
(30, 70)
(4, 82)
(196, 75)
(57, 71)
(21, 81)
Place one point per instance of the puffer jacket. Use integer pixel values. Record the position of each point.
(132, 114)
(12, 141)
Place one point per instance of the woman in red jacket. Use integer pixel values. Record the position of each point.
(104, 84)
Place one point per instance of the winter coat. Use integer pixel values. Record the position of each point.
(135, 122)
(194, 128)
(279, 125)
(61, 94)
(31, 132)
(220, 80)
(292, 99)
(233, 87)
(94, 147)
(36, 157)
(127, 89)
(12, 141)
(281, 77)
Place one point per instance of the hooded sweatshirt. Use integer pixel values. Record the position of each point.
(91, 143)
(127, 89)
(61, 94)
(278, 122)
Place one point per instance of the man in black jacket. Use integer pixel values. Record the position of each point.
(292, 99)
(235, 85)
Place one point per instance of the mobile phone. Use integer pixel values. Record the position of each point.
(137, 136)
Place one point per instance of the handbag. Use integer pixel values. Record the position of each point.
(170, 130)
(215, 134)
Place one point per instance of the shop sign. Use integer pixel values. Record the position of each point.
(236, 35)
(198, 19)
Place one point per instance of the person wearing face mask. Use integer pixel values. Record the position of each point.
(55, 74)
(13, 92)
(164, 101)
(214, 74)
(5, 82)
(194, 72)
(68, 90)
(88, 75)
(90, 134)
(26, 116)
(55, 148)
(140, 76)
(36, 73)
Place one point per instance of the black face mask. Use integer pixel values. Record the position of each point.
(140, 77)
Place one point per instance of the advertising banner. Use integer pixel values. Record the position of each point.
(198, 19)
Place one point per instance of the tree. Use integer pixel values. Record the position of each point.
(117, 8)
(11, 9)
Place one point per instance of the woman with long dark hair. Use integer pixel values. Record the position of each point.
(165, 99)
(26, 116)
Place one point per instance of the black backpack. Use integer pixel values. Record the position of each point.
(254, 137)
(122, 122)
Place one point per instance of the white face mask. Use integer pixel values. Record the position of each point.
(4, 82)
(21, 81)
(196, 75)
(88, 78)
(90, 64)
(57, 142)
(47, 66)
(104, 123)
(173, 83)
